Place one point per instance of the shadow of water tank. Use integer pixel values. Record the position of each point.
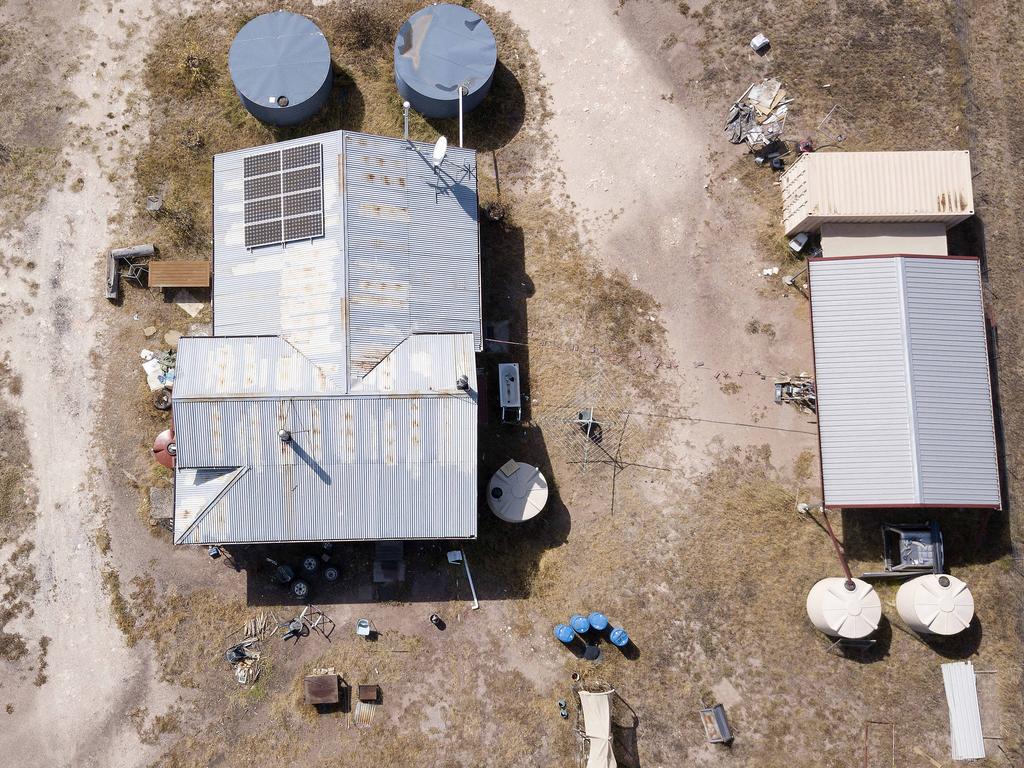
(280, 65)
(440, 49)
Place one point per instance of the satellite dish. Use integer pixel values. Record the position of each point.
(440, 150)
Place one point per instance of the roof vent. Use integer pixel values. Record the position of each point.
(462, 382)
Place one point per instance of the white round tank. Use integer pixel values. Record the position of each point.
(517, 492)
(935, 604)
(840, 612)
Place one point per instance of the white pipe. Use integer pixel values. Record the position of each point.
(405, 114)
(460, 115)
(465, 562)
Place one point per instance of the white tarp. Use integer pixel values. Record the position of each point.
(964, 715)
(597, 728)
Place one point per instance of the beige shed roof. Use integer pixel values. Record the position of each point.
(877, 186)
(848, 238)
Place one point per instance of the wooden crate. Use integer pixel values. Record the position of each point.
(369, 693)
(321, 689)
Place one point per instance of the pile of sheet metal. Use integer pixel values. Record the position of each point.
(759, 115)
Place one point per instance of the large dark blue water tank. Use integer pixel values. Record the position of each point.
(280, 64)
(438, 49)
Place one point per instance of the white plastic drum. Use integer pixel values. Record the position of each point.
(935, 604)
(517, 492)
(840, 612)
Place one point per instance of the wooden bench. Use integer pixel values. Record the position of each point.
(179, 274)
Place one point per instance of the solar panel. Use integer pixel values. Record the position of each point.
(262, 186)
(257, 165)
(263, 234)
(284, 195)
(302, 202)
(304, 178)
(303, 227)
(296, 157)
(259, 210)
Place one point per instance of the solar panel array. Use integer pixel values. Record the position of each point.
(284, 198)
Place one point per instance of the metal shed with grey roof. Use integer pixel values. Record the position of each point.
(346, 330)
(905, 412)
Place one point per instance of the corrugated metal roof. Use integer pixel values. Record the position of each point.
(883, 238)
(400, 255)
(209, 367)
(965, 735)
(901, 367)
(877, 186)
(352, 342)
(413, 248)
(395, 460)
(295, 290)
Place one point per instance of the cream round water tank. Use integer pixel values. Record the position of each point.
(841, 612)
(935, 604)
(517, 492)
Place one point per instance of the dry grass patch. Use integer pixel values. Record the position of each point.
(33, 129)
(893, 64)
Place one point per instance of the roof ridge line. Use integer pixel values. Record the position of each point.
(908, 373)
(238, 474)
(305, 357)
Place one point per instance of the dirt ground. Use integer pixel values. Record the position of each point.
(629, 264)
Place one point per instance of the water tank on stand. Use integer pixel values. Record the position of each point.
(280, 64)
(440, 49)
(841, 612)
(935, 604)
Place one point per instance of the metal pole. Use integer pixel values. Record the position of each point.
(839, 552)
(460, 115)
(405, 114)
(465, 562)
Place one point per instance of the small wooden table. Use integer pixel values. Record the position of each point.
(321, 689)
(179, 274)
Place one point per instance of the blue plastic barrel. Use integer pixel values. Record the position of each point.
(580, 624)
(619, 637)
(598, 621)
(564, 633)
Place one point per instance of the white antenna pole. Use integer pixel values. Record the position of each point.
(405, 114)
(460, 115)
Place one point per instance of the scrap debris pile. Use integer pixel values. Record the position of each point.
(159, 368)
(759, 115)
(246, 657)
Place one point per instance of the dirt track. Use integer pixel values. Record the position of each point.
(639, 156)
(79, 716)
